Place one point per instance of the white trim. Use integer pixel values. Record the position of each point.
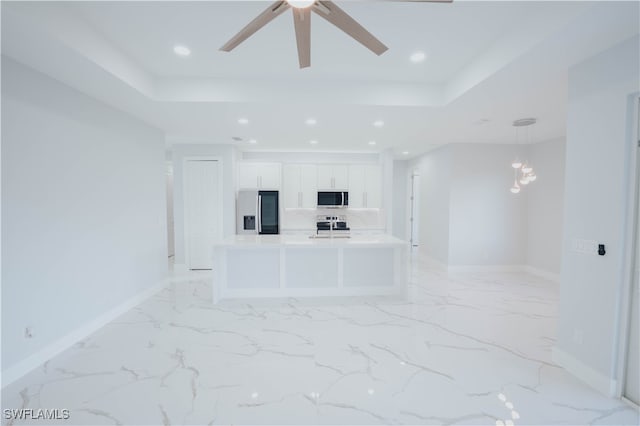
(625, 294)
(180, 268)
(33, 361)
(593, 378)
(463, 269)
(185, 227)
(417, 255)
(630, 403)
(551, 276)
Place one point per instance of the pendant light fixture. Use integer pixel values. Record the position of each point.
(523, 169)
(515, 188)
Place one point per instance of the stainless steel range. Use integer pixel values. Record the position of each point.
(332, 226)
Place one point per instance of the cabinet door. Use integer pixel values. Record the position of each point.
(325, 177)
(341, 177)
(269, 175)
(308, 186)
(357, 185)
(373, 186)
(248, 176)
(291, 186)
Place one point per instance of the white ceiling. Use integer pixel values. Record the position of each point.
(488, 64)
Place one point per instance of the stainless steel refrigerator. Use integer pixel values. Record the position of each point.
(257, 212)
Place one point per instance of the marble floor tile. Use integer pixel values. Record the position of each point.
(469, 349)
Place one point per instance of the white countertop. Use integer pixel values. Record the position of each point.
(380, 240)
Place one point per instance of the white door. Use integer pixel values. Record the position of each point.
(170, 229)
(632, 379)
(414, 210)
(202, 211)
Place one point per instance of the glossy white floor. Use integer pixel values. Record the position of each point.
(465, 350)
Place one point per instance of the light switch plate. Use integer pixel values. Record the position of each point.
(583, 246)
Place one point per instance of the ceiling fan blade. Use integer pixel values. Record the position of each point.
(260, 21)
(302, 22)
(338, 17)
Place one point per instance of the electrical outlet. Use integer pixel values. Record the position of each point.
(28, 332)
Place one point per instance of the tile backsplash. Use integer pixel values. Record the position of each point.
(304, 219)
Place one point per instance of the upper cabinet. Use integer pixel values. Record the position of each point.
(259, 176)
(365, 186)
(299, 185)
(333, 176)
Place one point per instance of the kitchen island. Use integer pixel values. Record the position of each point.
(252, 266)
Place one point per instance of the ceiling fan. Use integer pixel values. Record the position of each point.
(302, 21)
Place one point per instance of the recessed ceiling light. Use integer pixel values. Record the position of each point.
(372, 142)
(253, 141)
(181, 50)
(378, 123)
(310, 121)
(405, 152)
(314, 142)
(243, 120)
(417, 57)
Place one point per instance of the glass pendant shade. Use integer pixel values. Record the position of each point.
(516, 164)
(515, 188)
(524, 180)
(526, 168)
(532, 177)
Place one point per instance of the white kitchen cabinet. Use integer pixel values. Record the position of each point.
(259, 176)
(365, 186)
(300, 185)
(333, 176)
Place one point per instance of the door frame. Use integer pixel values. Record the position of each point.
(630, 247)
(185, 160)
(413, 206)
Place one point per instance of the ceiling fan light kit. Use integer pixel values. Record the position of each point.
(302, 22)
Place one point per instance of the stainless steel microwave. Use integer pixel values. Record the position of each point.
(333, 199)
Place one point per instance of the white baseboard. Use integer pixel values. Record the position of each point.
(32, 362)
(551, 276)
(428, 260)
(180, 268)
(588, 375)
(464, 269)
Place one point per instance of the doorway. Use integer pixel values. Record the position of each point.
(631, 390)
(203, 215)
(414, 210)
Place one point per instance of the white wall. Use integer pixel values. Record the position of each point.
(599, 148)
(83, 210)
(487, 222)
(227, 154)
(400, 199)
(545, 205)
(468, 216)
(435, 186)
